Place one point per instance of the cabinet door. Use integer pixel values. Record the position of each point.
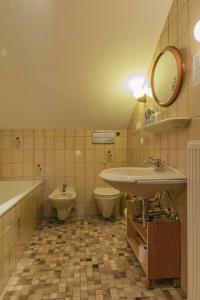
(164, 250)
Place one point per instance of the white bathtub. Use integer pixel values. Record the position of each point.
(21, 208)
(11, 192)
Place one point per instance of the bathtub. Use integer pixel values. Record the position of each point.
(11, 192)
(21, 207)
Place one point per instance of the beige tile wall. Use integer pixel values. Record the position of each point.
(55, 152)
(178, 31)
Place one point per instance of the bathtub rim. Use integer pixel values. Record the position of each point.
(6, 206)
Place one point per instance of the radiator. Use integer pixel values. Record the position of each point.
(193, 208)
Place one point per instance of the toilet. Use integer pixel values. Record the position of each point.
(107, 199)
(63, 201)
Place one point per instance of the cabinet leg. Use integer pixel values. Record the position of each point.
(150, 284)
(176, 283)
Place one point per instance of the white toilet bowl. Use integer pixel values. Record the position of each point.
(107, 200)
(63, 202)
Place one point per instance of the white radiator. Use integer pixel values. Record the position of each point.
(193, 203)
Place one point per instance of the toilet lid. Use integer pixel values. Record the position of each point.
(104, 191)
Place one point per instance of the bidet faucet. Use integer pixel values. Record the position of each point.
(64, 187)
(158, 164)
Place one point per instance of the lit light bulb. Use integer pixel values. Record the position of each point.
(138, 92)
(148, 91)
(136, 85)
(197, 31)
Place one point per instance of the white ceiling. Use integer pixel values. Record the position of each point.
(63, 63)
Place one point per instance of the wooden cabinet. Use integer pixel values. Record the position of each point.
(163, 247)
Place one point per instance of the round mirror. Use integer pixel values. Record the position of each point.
(167, 76)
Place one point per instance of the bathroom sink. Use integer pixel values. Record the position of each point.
(144, 181)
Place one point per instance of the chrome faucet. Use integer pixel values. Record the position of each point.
(64, 187)
(158, 164)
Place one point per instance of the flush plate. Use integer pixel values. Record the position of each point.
(103, 137)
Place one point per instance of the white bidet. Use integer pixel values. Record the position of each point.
(63, 201)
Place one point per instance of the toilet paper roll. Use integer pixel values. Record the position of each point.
(143, 254)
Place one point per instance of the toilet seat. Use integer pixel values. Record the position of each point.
(106, 192)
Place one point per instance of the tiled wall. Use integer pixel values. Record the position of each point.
(178, 31)
(55, 151)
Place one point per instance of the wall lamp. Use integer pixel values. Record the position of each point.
(138, 87)
(197, 31)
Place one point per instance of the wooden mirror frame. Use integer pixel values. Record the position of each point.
(179, 62)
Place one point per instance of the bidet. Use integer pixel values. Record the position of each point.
(63, 200)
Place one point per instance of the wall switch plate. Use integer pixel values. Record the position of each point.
(138, 125)
(4, 53)
(143, 141)
(196, 69)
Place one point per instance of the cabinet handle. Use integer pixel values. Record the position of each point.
(18, 223)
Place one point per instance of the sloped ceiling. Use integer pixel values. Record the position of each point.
(63, 63)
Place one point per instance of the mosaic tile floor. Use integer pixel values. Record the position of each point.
(82, 259)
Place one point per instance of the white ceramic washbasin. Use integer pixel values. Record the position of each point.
(144, 181)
